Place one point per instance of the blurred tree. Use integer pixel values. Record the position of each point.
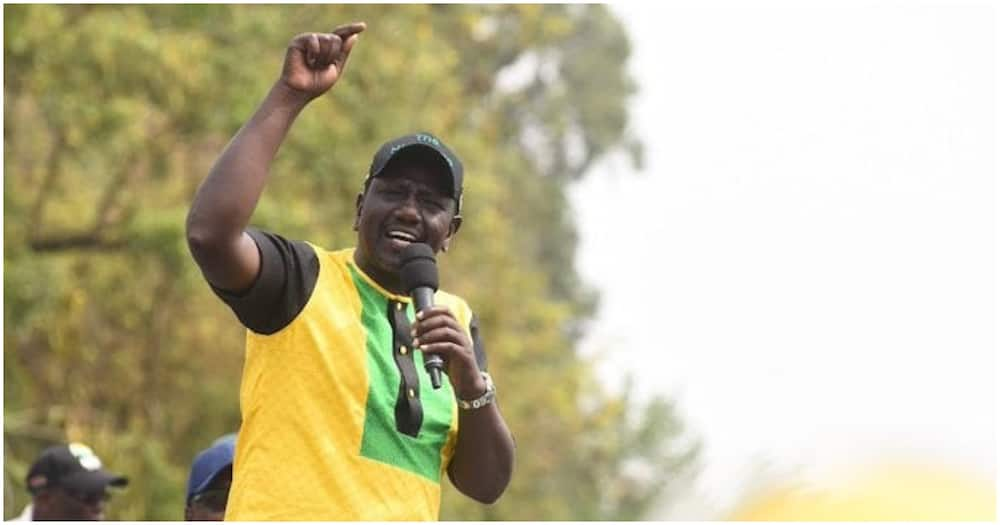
(114, 113)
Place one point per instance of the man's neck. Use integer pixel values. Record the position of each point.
(387, 280)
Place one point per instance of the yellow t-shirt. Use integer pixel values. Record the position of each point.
(340, 422)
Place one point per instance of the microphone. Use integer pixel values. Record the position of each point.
(419, 275)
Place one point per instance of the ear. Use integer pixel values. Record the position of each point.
(357, 210)
(456, 223)
(43, 501)
(42, 496)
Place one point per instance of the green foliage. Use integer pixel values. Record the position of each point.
(113, 116)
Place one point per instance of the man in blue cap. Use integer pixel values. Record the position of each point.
(208, 484)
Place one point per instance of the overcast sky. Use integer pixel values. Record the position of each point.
(807, 261)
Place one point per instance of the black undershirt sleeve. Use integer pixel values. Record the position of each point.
(287, 276)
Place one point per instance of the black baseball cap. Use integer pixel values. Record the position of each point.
(73, 466)
(420, 140)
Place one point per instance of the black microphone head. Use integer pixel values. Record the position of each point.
(418, 267)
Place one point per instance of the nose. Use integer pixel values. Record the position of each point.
(409, 210)
(96, 505)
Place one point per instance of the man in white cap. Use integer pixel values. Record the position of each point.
(68, 483)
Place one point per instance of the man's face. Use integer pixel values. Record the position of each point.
(409, 202)
(65, 504)
(210, 504)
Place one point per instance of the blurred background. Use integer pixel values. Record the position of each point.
(719, 253)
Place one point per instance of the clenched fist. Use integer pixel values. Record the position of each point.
(315, 61)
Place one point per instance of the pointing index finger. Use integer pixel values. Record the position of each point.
(346, 30)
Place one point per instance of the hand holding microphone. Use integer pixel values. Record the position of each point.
(437, 332)
(419, 276)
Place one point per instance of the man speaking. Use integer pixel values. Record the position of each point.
(340, 418)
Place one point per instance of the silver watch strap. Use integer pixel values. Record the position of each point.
(483, 400)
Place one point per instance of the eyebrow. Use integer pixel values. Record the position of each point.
(422, 189)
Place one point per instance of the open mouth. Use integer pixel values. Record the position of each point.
(400, 238)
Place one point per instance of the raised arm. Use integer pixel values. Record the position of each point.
(226, 199)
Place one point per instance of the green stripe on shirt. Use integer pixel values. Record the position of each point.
(381, 441)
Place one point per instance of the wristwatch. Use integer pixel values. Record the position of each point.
(483, 400)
